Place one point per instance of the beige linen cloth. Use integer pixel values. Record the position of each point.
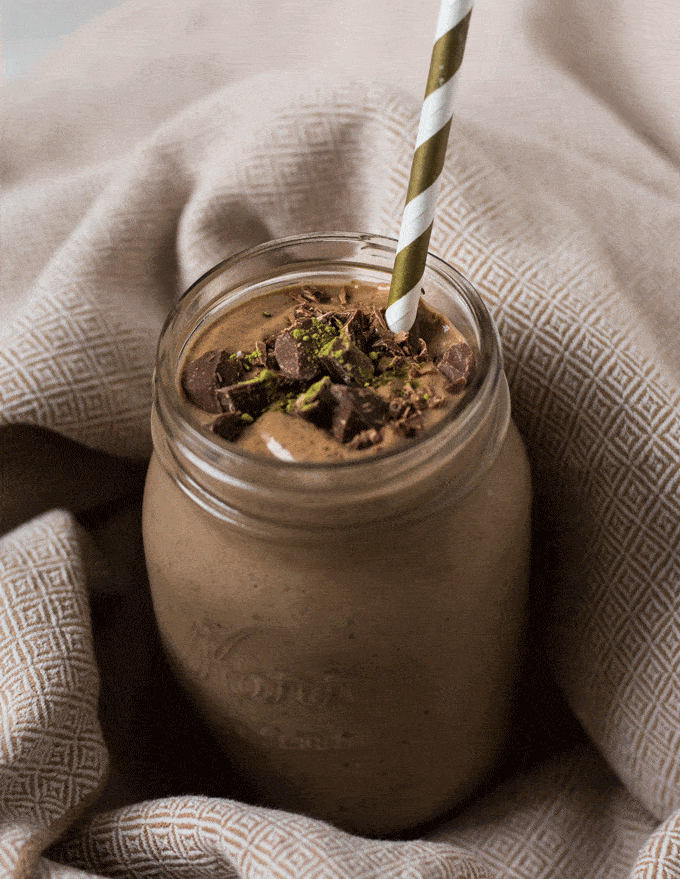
(156, 143)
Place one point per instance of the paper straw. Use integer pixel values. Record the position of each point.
(428, 161)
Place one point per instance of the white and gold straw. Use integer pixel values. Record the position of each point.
(428, 161)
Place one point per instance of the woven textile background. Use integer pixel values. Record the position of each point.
(564, 209)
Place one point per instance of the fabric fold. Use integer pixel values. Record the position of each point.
(599, 411)
(53, 758)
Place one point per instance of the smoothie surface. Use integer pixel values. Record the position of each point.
(313, 373)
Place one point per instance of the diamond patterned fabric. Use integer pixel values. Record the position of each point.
(561, 201)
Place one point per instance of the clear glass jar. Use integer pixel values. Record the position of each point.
(350, 631)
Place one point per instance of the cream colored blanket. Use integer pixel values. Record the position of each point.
(164, 137)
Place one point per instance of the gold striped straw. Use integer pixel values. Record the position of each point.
(428, 161)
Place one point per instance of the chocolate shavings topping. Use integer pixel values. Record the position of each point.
(345, 372)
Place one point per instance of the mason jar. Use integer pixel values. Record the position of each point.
(350, 631)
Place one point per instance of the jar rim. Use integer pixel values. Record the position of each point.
(411, 461)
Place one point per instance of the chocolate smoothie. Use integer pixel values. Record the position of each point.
(338, 551)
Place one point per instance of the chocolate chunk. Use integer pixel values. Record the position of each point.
(251, 396)
(316, 404)
(229, 425)
(457, 365)
(295, 351)
(357, 409)
(203, 376)
(346, 363)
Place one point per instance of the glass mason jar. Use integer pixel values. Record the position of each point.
(350, 631)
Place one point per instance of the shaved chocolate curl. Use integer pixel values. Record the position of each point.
(365, 438)
(383, 337)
